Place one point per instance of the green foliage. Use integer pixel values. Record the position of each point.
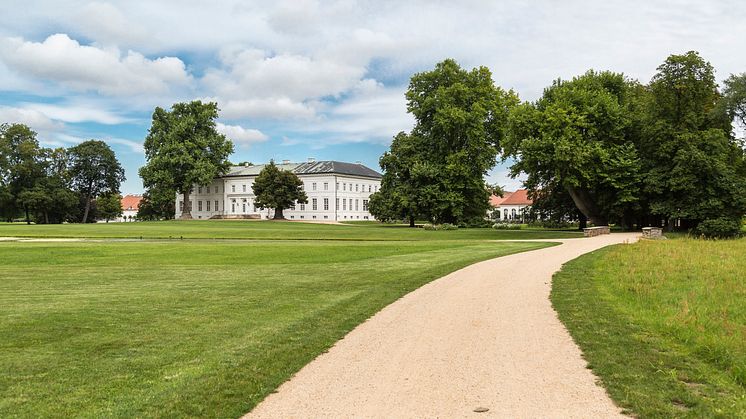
(734, 98)
(157, 204)
(719, 228)
(631, 154)
(183, 149)
(579, 139)
(34, 180)
(507, 226)
(694, 169)
(436, 171)
(109, 206)
(94, 170)
(278, 189)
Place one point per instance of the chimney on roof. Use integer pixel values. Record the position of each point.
(311, 159)
(246, 164)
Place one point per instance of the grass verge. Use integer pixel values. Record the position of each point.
(662, 323)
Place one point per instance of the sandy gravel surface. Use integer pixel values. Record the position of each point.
(485, 336)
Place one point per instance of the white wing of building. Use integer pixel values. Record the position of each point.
(337, 191)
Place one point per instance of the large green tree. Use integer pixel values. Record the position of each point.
(693, 165)
(734, 98)
(157, 204)
(278, 189)
(22, 166)
(579, 138)
(183, 149)
(94, 170)
(437, 170)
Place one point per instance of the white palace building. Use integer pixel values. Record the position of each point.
(337, 191)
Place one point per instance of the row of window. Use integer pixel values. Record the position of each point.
(216, 189)
(199, 205)
(358, 187)
(314, 205)
(326, 217)
(315, 202)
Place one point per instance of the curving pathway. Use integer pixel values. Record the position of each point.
(485, 336)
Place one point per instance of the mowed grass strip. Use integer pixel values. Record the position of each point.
(191, 328)
(663, 323)
(289, 230)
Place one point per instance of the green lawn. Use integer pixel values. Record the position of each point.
(268, 230)
(663, 323)
(195, 327)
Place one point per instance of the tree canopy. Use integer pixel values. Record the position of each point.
(627, 153)
(94, 170)
(278, 189)
(437, 170)
(183, 148)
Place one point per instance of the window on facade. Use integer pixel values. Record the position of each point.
(365, 205)
(344, 204)
(208, 189)
(199, 189)
(243, 208)
(292, 206)
(199, 205)
(350, 203)
(313, 203)
(336, 204)
(313, 186)
(244, 188)
(368, 188)
(208, 205)
(233, 206)
(326, 204)
(302, 208)
(356, 204)
(216, 206)
(337, 186)
(357, 187)
(233, 188)
(326, 186)
(512, 213)
(344, 186)
(181, 206)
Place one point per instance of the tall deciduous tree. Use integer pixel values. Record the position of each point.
(437, 171)
(183, 148)
(278, 189)
(734, 98)
(22, 164)
(580, 136)
(94, 170)
(694, 167)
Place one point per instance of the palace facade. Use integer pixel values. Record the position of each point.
(337, 191)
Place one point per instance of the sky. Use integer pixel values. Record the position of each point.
(321, 79)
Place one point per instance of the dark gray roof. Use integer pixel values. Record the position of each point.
(317, 167)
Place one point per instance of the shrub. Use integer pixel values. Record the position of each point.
(435, 227)
(552, 224)
(506, 226)
(718, 228)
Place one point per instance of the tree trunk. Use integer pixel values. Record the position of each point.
(28, 219)
(278, 214)
(585, 204)
(87, 208)
(186, 213)
(411, 221)
(583, 221)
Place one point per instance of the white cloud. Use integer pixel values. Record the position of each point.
(106, 24)
(133, 146)
(240, 135)
(62, 60)
(76, 113)
(264, 108)
(35, 119)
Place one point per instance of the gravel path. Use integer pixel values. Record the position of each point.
(485, 336)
